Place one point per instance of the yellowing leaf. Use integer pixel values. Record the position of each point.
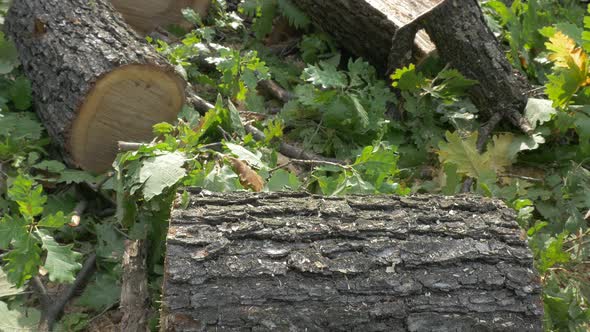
(501, 154)
(463, 153)
(248, 177)
(565, 54)
(562, 47)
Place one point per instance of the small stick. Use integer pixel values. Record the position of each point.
(52, 313)
(78, 211)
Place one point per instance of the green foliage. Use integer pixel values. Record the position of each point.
(338, 112)
(264, 12)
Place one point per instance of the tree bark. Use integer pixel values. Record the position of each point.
(366, 27)
(290, 261)
(463, 39)
(146, 15)
(95, 81)
(387, 33)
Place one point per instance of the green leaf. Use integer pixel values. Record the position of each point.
(51, 166)
(7, 288)
(282, 180)
(246, 155)
(452, 179)
(110, 243)
(222, 179)
(102, 293)
(553, 254)
(539, 111)
(23, 261)
(296, 17)
(11, 229)
(463, 153)
(235, 120)
(408, 79)
(20, 125)
(70, 176)
(54, 220)
(162, 128)
(19, 319)
(161, 172)
(8, 55)
(192, 16)
(28, 195)
(61, 262)
(21, 93)
(361, 112)
(325, 75)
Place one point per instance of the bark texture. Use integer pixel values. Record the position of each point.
(134, 289)
(65, 48)
(366, 27)
(463, 39)
(294, 262)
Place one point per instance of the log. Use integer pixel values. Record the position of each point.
(146, 15)
(95, 81)
(366, 27)
(385, 33)
(295, 262)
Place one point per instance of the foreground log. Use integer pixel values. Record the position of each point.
(95, 82)
(146, 15)
(305, 263)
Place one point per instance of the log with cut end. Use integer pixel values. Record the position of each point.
(294, 262)
(366, 27)
(147, 15)
(95, 81)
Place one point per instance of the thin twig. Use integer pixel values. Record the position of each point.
(516, 176)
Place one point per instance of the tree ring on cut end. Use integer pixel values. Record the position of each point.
(123, 106)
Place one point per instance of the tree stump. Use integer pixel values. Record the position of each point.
(95, 81)
(294, 262)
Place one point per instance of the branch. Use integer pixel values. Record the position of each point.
(52, 313)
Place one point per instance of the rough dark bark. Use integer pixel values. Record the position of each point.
(294, 262)
(366, 27)
(134, 288)
(462, 38)
(387, 32)
(94, 80)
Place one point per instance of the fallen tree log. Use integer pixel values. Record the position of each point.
(366, 27)
(384, 33)
(95, 82)
(146, 15)
(290, 261)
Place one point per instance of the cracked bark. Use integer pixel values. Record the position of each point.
(291, 261)
(95, 82)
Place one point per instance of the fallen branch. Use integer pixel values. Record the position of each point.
(134, 289)
(52, 313)
(77, 215)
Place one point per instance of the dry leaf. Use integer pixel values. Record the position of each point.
(248, 177)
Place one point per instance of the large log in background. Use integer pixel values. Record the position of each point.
(95, 81)
(146, 15)
(296, 262)
(457, 29)
(366, 27)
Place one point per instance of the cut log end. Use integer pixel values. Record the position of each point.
(123, 106)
